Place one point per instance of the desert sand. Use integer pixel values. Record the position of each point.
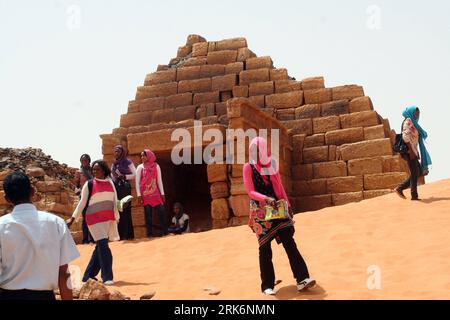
(407, 242)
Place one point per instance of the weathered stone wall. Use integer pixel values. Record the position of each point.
(341, 148)
(52, 181)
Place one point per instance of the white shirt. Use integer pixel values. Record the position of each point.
(33, 245)
(132, 169)
(158, 178)
(181, 221)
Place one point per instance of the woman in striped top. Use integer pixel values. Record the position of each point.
(99, 201)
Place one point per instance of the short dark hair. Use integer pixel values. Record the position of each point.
(85, 156)
(103, 165)
(17, 187)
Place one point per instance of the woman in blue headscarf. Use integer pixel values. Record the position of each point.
(414, 136)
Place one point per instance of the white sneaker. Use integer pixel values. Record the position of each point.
(269, 292)
(306, 284)
(108, 283)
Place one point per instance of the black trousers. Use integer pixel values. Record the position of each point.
(125, 226)
(161, 211)
(298, 265)
(411, 181)
(10, 295)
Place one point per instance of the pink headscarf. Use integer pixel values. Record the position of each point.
(149, 171)
(260, 156)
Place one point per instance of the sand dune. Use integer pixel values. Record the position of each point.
(407, 241)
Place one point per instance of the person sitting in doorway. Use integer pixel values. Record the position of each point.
(180, 220)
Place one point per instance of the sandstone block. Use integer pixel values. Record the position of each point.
(234, 68)
(313, 83)
(298, 141)
(360, 104)
(285, 114)
(310, 187)
(224, 83)
(282, 86)
(300, 126)
(200, 49)
(221, 108)
(316, 140)
(317, 96)
(335, 108)
(212, 70)
(240, 91)
(240, 205)
(329, 169)
(235, 222)
(219, 223)
(231, 44)
(161, 77)
(188, 73)
(366, 149)
(259, 63)
(237, 187)
(313, 203)
(392, 164)
(151, 104)
(325, 124)
(308, 111)
(217, 173)
(383, 180)
(285, 100)
(374, 132)
(194, 86)
(348, 92)
(184, 113)
(315, 154)
(340, 199)
(258, 101)
(345, 184)
(278, 74)
(302, 172)
(196, 61)
(135, 119)
(157, 90)
(178, 100)
(257, 75)
(359, 119)
(219, 190)
(220, 209)
(369, 194)
(365, 166)
(221, 57)
(339, 137)
(184, 51)
(244, 54)
(261, 88)
(194, 38)
(163, 116)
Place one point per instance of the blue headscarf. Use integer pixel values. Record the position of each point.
(426, 159)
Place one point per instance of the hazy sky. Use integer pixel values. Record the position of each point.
(69, 68)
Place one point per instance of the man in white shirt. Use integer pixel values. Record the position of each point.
(180, 220)
(35, 247)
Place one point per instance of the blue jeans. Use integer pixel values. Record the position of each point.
(161, 210)
(101, 259)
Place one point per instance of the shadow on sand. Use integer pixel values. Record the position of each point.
(290, 292)
(433, 199)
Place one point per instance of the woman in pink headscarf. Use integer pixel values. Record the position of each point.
(150, 191)
(263, 184)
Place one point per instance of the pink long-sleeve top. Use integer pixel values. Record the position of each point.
(276, 183)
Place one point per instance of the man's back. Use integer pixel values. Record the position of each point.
(33, 245)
